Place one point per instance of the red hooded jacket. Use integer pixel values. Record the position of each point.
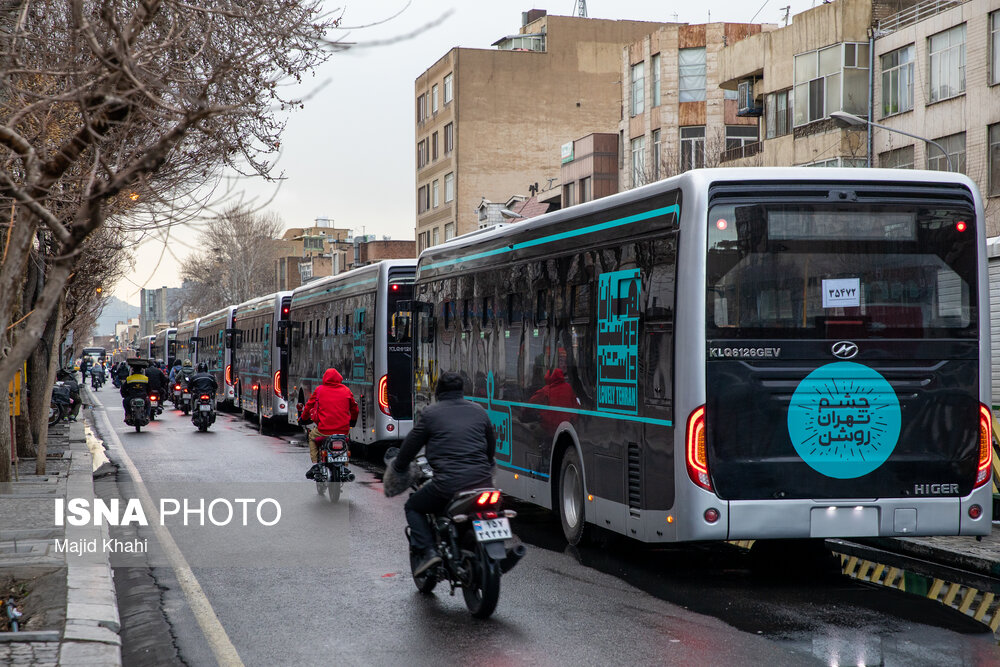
(332, 405)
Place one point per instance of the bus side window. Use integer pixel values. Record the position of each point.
(466, 318)
(541, 307)
(658, 367)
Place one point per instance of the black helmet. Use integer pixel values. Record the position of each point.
(202, 367)
(448, 381)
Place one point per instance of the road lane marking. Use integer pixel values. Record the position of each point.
(222, 648)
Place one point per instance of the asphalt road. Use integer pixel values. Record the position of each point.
(330, 583)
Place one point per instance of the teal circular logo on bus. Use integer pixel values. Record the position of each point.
(844, 420)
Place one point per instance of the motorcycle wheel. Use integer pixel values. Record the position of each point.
(202, 427)
(137, 428)
(426, 581)
(55, 415)
(320, 488)
(333, 489)
(483, 589)
(187, 411)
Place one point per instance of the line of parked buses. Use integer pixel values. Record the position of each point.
(726, 354)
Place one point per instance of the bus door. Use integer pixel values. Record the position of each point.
(422, 327)
(843, 349)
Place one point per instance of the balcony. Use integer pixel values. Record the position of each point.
(746, 150)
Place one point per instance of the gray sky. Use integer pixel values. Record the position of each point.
(349, 155)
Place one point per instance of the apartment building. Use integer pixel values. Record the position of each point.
(675, 116)
(938, 66)
(791, 80)
(491, 122)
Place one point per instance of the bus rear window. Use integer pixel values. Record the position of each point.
(815, 271)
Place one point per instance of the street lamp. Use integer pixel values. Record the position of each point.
(847, 119)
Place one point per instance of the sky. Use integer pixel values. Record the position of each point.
(349, 154)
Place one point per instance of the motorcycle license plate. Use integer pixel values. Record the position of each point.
(205, 408)
(489, 530)
(186, 396)
(339, 459)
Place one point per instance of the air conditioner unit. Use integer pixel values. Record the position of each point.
(746, 105)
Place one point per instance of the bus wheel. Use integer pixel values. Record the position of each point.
(571, 502)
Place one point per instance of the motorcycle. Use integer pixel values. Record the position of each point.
(475, 541)
(182, 400)
(60, 403)
(137, 415)
(204, 413)
(154, 405)
(331, 472)
(96, 380)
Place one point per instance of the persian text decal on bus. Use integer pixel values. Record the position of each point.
(618, 341)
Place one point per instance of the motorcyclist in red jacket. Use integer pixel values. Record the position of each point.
(333, 409)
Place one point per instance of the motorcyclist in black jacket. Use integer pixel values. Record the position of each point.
(203, 382)
(459, 444)
(68, 378)
(157, 380)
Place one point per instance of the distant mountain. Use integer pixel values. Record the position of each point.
(114, 311)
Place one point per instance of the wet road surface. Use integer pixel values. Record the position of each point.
(330, 582)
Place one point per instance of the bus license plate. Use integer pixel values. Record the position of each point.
(488, 530)
(205, 408)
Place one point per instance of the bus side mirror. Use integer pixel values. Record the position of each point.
(282, 337)
(234, 339)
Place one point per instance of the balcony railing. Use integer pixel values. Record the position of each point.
(915, 14)
(738, 152)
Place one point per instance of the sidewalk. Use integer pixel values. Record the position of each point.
(71, 610)
(963, 553)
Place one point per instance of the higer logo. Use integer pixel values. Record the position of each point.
(844, 350)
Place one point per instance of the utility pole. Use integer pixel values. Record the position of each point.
(580, 8)
(788, 10)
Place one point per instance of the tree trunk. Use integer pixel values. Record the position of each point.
(22, 425)
(55, 328)
(5, 439)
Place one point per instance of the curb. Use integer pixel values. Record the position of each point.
(92, 621)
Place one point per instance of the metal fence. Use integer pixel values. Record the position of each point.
(915, 14)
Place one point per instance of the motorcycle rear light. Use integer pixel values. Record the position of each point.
(337, 446)
(204, 397)
(152, 397)
(177, 387)
(494, 498)
(483, 498)
(383, 395)
(985, 446)
(696, 450)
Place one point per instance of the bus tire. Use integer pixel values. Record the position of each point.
(570, 500)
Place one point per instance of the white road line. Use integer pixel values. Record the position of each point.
(223, 649)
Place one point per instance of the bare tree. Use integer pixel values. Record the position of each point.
(236, 262)
(104, 102)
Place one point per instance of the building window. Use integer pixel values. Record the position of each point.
(421, 241)
(423, 198)
(655, 73)
(434, 98)
(435, 194)
(994, 160)
(831, 79)
(900, 158)
(586, 192)
(692, 148)
(434, 146)
(947, 63)
(449, 138)
(638, 92)
(569, 194)
(778, 119)
(638, 161)
(839, 162)
(954, 145)
(447, 88)
(657, 147)
(435, 236)
(691, 68)
(423, 154)
(995, 47)
(737, 138)
(449, 187)
(897, 81)
(449, 231)
(421, 108)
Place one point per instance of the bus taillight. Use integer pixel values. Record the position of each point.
(383, 395)
(229, 373)
(697, 458)
(985, 445)
(277, 383)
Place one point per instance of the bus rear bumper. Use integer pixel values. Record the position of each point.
(891, 517)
